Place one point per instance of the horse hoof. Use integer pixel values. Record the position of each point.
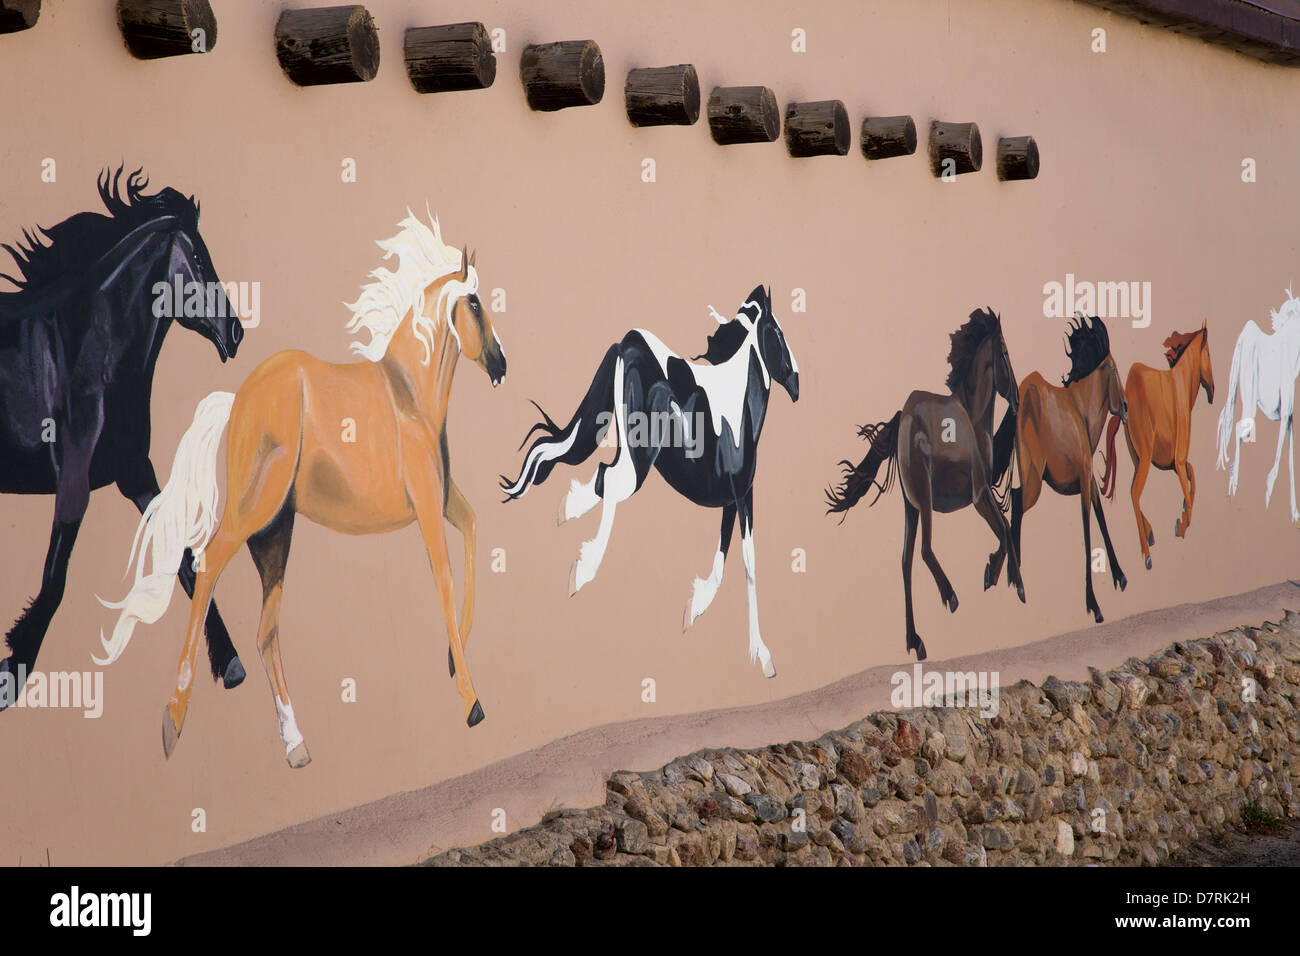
(1020, 592)
(686, 617)
(451, 664)
(769, 669)
(475, 714)
(234, 675)
(1096, 616)
(952, 603)
(573, 579)
(1148, 562)
(1151, 538)
(1121, 582)
(298, 756)
(169, 732)
(988, 582)
(562, 517)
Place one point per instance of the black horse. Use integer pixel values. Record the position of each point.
(78, 344)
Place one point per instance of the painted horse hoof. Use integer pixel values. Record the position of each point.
(1151, 538)
(952, 603)
(573, 579)
(475, 714)
(1148, 562)
(917, 645)
(1020, 592)
(1121, 582)
(298, 756)
(1096, 615)
(234, 675)
(988, 577)
(769, 669)
(451, 664)
(169, 733)
(562, 517)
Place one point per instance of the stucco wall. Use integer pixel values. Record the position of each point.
(1141, 181)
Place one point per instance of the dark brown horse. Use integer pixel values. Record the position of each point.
(1057, 435)
(945, 450)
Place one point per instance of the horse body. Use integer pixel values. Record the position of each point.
(946, 455)
(78, 345)
(286, 455)
(1264, 368)
(1058, 433)
(1159, 426)
(705, 446)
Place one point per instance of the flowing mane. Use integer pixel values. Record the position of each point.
(732, 333)
(45, 255)
(1177, 344)
(966, 341)
(1087, 345)
(423, 258)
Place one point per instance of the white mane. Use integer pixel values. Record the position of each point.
(423, 258)
(1289, 312)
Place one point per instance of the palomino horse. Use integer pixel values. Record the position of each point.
(1265, 367)
(1159, 426)
(79, 342)
(948, 457)
(1058, 433)
(697, 424)
(287, 456)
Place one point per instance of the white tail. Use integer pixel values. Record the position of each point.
(1226, 417)
(184, 515)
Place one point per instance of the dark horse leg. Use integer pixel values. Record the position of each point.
(992, 514)
(28, 632)
(1090, 599)
(946, 594)
(910, 515)
(141, 487)
(1117, 576)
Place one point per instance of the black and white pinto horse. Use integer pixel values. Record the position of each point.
(725, 398)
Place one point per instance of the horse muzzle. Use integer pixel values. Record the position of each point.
(495, 366)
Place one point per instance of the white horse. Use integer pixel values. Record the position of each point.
(1266, 367)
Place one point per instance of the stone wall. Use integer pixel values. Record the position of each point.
(1126, 768)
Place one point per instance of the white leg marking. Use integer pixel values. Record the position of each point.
(757, 649)
(580, 499)
(289, 732)
(620, 482)
(705, 589)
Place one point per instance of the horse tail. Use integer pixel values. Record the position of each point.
(1108, 479)
(574, 443)
(183, 515)
(859, 479)
(1230, 404)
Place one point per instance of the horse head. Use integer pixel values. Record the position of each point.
(189, 265)
(1089, 351)
(1005, 382)
(773, 349)
(478, 340)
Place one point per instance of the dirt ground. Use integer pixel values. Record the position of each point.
(1240, 847)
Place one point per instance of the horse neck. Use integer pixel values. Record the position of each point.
(1090, 399)
(1187, 373)
(429, 386)
(979, 406)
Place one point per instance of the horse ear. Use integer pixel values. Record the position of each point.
(472, 256)
(464, 263)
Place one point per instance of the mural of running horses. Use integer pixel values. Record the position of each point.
(79, 342)
(944, 450)
(1159, 426)
(1264, 368)
(1057, 436)
(698, 424)
(286, 456)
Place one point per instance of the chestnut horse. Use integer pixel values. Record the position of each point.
(286, 455)
(1159, 426)
(1057, 434)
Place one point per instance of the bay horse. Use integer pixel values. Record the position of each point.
(1265, 368)
(945, 452)
(1058, 433)
(286, 455)
(79, 342)
(704, 422)
(1159, 426)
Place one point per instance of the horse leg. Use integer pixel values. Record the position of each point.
(1090, 599)
(270, 551)
(914, 641)
(1284, 425)
(1116, 574)
(140, 487)
(1145, 536)
(25, 637)
(1290, 462)
(757, 649)
(946, 594)
(462, 518)
(996, 520)
(705, 589)
(1184, 521)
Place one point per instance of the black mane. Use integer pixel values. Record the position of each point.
(1088, 344)
(730, 336)
(966, 342)
(47, 255)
